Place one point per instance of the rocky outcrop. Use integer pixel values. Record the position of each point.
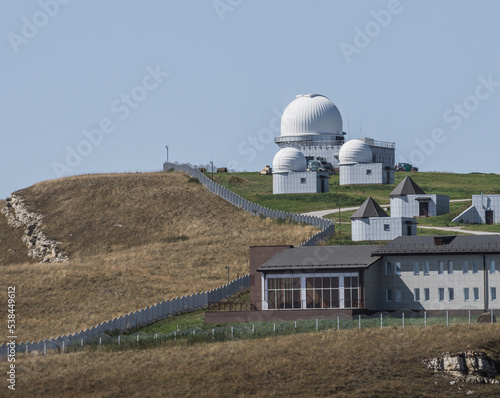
(468, 366)
(39, 246)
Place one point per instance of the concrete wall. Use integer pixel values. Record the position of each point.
(476, 214)
(408, 281)
(365, 173)
(408, 206)
(304, 182)
(381, 228)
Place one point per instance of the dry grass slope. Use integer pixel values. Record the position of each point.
(133, 240)
(366, 363)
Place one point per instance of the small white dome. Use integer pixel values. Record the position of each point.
(311, 114)
(355, 151)
(289, 159)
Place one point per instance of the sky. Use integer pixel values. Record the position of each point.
(105, 86)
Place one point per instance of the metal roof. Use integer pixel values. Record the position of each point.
(321, 257)
(407, 187)
(369, 208)
(441, 244)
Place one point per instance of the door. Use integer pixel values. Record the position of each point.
(489, 217)
(323, 185)
(408, 230)
(423, 209)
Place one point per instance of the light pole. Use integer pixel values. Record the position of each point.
(227, 275)
(166, 146)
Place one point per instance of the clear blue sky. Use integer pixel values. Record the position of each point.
(207, 78)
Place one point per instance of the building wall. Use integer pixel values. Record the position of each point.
(408, 206)
(381, 228)
(408, 281)
(476, 214)
(258, 256)
(303, 182)
(362, 173)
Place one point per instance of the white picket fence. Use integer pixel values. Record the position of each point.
(171, 307)
(327, 226)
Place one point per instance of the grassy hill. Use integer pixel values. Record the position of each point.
(133, 240)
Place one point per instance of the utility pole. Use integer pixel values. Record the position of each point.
(166, 146)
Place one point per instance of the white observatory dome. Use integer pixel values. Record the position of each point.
(289, 159)
(355, 151)
(311, 114)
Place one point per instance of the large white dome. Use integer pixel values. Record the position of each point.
(289, 159)
(311, 114)
(355, 151)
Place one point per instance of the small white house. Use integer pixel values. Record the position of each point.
(409, 200)
(371, 223)
(290, 175)
(485, 209)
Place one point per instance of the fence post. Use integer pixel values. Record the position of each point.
(447, 320)
(338, 323)
(82, 344)
(403, 319)
(491, 315)
(295, 326)
(274, 329)
(253, 328)
(119, 339)
(316, 324)
(232, 332)
(100, 342)
(359, 320)
(63, 347)
(44, 348)
(469, 317)
(381, 321)
(425, 318)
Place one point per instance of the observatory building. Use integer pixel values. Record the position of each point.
(366, 161)
(290, 175)
(485, 209)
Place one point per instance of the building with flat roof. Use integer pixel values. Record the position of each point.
(485, 209)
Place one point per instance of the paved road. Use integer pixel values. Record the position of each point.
(459, 229)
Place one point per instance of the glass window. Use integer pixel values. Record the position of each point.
(426, 268)
(399, 296)
(388, 268)
(283, 293)
(441, 293)
(388, 295)
(475, 267)
(492, 267)
(397, 270)
(493, 293)
(466, 294)
(387, 227)
(416, 294)
(416, 270)
(451, 294)
(441, 267)
(476, 294)
(465, 267)
(302, 180)
(368, 172)
(427, 294)
(450, 267)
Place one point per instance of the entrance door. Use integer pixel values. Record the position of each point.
(489, 217)
(408, 230)
(423, 209)
(323, 185)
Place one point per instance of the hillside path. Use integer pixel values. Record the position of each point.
(459, 229)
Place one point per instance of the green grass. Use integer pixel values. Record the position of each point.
(259, 189)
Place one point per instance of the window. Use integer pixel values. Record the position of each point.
(283, 293)
(416, 294)
(397, 270)
(451, 294)
(450, 267)
(387, 227)
(441, 267)
(426, 268)
(416, 270)
(326, 292)
(492, 267)
(493, 293)
(368, 172)
(302, 180)
(399, 296)
(441, 293)
(476, 294)
(388, 295)
(465, 267)
(475, 268)
(388, 268)
(427, 294)
(466, 294)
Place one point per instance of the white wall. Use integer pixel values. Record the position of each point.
(374, 228)
(303, 182)
(408, 206)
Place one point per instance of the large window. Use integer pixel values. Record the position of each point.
(416, 267)
(441, 267)
(476, 293)
(426, 268)
(450, 267)
(441, 293)
(465, 267)
(427, 294)
(493, 293)
(388, 268)
(451, 294)
(283, 293)
(388, 295)
(416, 294)
(475, 268)
(466, 294)
(397, 269)
(492, 267)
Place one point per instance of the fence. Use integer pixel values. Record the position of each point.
(399, 319)
(327, 226)
(134, 319)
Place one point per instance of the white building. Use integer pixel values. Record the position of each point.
(371, 223)
(290, 175)
(361, 163)
(409, 200)
(313, 124)
(485, 209)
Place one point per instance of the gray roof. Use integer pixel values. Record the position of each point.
(369, 208)
(442, 244)
(407, 187)
(321, 257)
